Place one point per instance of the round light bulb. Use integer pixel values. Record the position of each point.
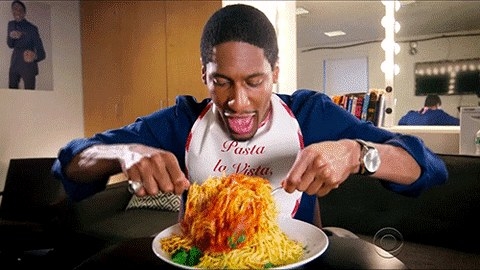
(387, 21)
(396, 48)
(387, 44)
(398, 5)
(384, 67)
(396, 69)
(397, 27)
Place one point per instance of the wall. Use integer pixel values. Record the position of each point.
(310, 68)
(38, 123)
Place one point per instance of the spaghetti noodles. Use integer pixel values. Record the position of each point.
(233, 221)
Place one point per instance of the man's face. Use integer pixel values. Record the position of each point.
(240, 82)
(18, 12)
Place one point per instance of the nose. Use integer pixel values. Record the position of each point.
(239, 98)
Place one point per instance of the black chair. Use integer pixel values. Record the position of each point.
(31, 211)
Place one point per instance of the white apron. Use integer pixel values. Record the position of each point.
(269, 154)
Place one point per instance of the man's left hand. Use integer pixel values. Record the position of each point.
(323, 166)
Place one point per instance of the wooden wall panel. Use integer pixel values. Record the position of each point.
(101, 64)
(137, 56)
(123, 59)
(185, 21)
(144, 63)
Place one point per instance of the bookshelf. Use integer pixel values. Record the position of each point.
(366, 106)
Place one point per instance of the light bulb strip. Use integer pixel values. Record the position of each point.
(388, 42)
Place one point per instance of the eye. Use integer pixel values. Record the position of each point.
(255, 82)
(220, 82)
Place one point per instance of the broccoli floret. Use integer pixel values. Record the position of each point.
(194, 256)
(180, 256)
(268, 265)
(187, 257)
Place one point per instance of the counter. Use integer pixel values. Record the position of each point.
(440, 139)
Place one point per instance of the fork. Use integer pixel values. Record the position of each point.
(275, 190)
(134, 186)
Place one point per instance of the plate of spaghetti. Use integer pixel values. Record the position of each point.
(231, 222)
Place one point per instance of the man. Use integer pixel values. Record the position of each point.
(24, 39)
(303, 142)
(430, 115)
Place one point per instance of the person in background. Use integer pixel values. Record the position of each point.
(24, 39)
(302, 141)
(430, 115)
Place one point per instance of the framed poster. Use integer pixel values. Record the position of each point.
(38, 14)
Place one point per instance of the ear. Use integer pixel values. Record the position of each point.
(276, 70)
(204, 74)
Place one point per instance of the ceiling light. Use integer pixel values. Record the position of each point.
(301, 11)
(334, 33)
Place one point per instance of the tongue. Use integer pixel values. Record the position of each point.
(241, 125)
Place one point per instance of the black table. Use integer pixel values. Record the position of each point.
(341, 253)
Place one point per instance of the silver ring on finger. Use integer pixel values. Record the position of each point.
(134, 186)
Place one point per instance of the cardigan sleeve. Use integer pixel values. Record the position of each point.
(165, 129)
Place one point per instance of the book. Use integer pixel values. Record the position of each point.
(380, 110)
(349, 103)
(337, 99)
(353, 105)
(344, 102)
(366, 101)
(372, 107)
(359, 106)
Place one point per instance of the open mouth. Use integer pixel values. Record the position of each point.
(241, 125)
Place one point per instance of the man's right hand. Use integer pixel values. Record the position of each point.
(157, 169)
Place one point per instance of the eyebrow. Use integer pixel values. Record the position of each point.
(257, 74)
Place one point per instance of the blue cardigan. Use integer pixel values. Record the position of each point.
(319, 119)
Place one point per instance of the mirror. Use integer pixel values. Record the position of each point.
(438, 31)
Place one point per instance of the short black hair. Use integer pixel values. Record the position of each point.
(432, 100)
(20, 3)
(242, 23)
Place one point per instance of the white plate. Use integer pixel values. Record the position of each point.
(314, 240)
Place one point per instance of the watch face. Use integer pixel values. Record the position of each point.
(372, 160)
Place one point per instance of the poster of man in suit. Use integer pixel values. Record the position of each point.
(27, 53)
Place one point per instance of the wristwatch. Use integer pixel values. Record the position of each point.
(369, 158)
